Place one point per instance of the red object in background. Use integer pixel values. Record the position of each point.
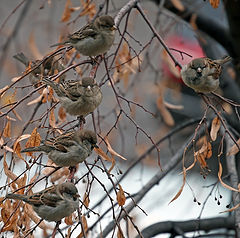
(191, 47)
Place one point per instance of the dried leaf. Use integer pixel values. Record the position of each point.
(193, 21)
(178, 5)
(216, 123)
(85, 226)
(62, 114)
(50, 94)
(7, 171)
(214, 3)
(220, 179)
(38, 99)
(171, 106)
(68, 220)
(232, 209)
(166, 115)
(89, 8)
(67, 11)
(181, 189)
(234, 149)
(86, 200)
(7, 130)
(121, 199)
(120, 233)
(100, 152)
(34, 140)
(113, 152)
(52, 119)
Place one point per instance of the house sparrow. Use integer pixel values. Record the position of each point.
(93, 39)
(68, 149)
(202, 74)
(79, 98)
(52, 203)
(47, 68)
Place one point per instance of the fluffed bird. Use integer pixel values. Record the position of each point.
(52, 203)
(68, 149)
(202, 74)
(93, 39)
(79, 98)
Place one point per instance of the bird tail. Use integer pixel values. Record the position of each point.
(44, 148)
(223, 60)
(22, 58)
(16, 196)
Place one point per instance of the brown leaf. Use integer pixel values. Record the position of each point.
(7, 130)
(181, 189)
(220, 179)
(178, 5)
(216, 123)
(67, 11)
(62, 114)
(112, 151)
(234, 149)
(121, 199)
(68, 220)
(100, 152)
(34, 140)
(214, 3)
(120, 233)
(7, 171)
(52, 119)
(166, 115)
(86, 200)
(85, 226)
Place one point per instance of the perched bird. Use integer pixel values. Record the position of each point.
(68, 149)
(47, 68)
(52, 203)
(202, 74)
(95, 38)
(79, 98)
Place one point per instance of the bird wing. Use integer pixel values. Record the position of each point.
(86, 31)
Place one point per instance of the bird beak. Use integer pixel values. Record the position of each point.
(76, 195)
(88, 87)
(114, 28)
(199, 70)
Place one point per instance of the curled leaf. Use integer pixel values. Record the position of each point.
(181, 189)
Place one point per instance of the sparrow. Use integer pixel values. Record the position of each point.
(47, 68)
(68, 149)
(79, 98)
(93, 39)
(202, 74)
(52, 203)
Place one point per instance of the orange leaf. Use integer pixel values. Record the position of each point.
(216, 123)
(121, 199)
(214, 3)
(85, 226)
(34, 140)
(7, 130)
(220, 179)
(181, 189)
